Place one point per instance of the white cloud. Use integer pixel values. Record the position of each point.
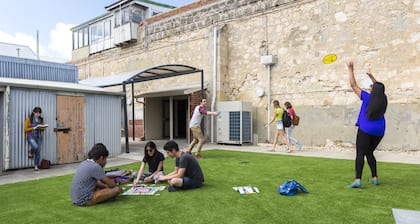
(58, 48)
(22, 39)
(61, 41)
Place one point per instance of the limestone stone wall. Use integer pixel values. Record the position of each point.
(382, 35)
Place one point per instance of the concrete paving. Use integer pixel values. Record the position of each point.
(137, 151)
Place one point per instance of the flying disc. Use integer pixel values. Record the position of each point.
(329, 58)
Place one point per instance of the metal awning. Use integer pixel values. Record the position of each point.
(156, 72)
(153, 73)
(183, 90)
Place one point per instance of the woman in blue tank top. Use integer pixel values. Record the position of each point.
(371, 123)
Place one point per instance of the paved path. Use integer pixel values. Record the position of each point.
(137, 152)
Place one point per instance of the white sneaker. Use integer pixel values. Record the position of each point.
(299, 146)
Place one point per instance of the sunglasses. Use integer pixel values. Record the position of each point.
(149, 150)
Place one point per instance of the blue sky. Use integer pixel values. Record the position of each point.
(20, 19)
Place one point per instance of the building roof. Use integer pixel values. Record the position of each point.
(55, 86)
(16, 50)
(156, 72)
(145, 3)
(96, 19)
(140, 2)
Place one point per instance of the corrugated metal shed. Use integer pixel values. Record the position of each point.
(1, 128)
(102, 118)
(21, 68)
(100, 109)
(21, 103)
(55, 86)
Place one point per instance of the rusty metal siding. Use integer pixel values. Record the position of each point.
(103, 122)
(21, 103)
(21, 68)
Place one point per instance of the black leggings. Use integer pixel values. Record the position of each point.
(365, 145)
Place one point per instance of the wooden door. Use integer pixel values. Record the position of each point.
(70, 129)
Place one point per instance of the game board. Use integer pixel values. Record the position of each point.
(143, 190)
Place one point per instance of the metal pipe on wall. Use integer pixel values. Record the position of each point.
(127, 147)
(268, 99)
(132, 108)
(213, 102)
(6, 145)
(215, 56)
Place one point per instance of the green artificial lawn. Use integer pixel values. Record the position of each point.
(329, 200)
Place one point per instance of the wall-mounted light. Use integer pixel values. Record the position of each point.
(259, 92)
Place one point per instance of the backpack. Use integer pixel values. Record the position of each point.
(296, 119)
(287, 120)
(45, 164)
(290, 188)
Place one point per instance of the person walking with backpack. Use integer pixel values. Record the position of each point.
(278, 117)
(290, 129)
(371, 123)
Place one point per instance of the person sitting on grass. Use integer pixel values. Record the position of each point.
(187, 173)
(90, 184)
(154, 160)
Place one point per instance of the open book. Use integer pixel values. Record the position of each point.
(42, 125)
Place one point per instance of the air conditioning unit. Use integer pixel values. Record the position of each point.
(125, 34)
(234, 122)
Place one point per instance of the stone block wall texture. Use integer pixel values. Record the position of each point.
(381, 35)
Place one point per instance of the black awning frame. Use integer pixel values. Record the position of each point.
(153, 73)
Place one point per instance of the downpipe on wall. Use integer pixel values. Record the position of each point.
(268, 99)
(213, 101)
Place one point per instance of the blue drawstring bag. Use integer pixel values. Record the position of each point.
(290, 188)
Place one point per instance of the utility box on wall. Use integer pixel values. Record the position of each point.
(234, 122)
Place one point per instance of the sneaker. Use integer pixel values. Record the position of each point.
(375, 182)
(172, 189)
(36, 168)
(299, 146)
(356, 184)
(30, 155)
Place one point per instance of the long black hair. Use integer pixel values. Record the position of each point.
(378, 102)
(36, 110)
(151, 145)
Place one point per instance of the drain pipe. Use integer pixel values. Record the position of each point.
(213, 101)
(268, 61)
(268, 99)
(6, 137)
